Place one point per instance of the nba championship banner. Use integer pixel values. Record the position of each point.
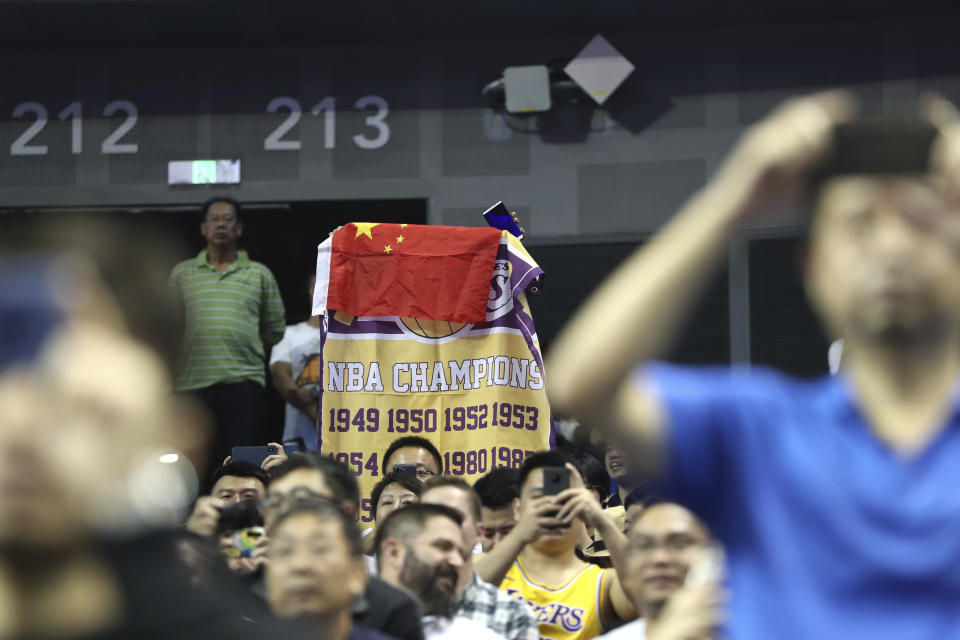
(476, 390)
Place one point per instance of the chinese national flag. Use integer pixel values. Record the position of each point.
(433, 272)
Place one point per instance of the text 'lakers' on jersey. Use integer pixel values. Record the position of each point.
(569, 611)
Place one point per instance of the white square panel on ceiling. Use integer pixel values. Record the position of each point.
(599, 69)
(527, 89)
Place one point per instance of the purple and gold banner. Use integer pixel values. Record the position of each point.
(475, 390)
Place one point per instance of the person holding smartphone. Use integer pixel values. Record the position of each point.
(537, 560)
(835, 499)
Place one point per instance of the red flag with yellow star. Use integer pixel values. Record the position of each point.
(434, 272)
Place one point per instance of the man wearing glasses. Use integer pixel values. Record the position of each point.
(310, 476)
(665, 541)
(233, 314)
(416, 452)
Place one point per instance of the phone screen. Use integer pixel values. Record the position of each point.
(498, 217)
(253, 455)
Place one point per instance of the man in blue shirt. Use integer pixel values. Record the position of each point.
(837, 500)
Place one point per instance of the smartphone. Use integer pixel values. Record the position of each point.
(253, 455)
(555, 480)
(294, 445)
(498, 217)
(406, 469)
(707, 568)
(882, 144)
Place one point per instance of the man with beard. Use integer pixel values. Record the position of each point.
(421, 548)
(316, 569)
(481, 601)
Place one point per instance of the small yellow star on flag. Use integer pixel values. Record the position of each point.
(364, 229)
(400, 239)
(387, 249)
(403, 226)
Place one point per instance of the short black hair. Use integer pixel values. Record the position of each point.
(240, 470)
(594, 473)
(411, 441)
(405, 480)
(541, 459)
(335, 474)
(325, 510)
(410, 521)
(205, 207)
(437, 482)
(498, 488)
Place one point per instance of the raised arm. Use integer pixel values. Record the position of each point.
(634, 315)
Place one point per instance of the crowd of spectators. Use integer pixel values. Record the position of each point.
(277, 548)
(100, 536)
(449, 559)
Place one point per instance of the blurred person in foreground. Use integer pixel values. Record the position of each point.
(538, 561)
(499, 497)
(233, 313)
(381, 607)
(316, 569)
(421, 548)
(479, 600)
(664, 542)
(835, 499)
(87, 414)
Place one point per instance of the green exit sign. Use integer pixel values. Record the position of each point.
(203, 172)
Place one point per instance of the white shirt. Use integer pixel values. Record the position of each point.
(371, 562)
(302, 347)
(636, 630)
(456, 628)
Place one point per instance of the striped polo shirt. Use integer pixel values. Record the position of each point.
(229, 317)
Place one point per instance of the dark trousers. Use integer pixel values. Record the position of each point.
(238, 411)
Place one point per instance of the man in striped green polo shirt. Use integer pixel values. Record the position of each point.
(233, 313)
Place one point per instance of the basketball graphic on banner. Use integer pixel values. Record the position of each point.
(432, 328)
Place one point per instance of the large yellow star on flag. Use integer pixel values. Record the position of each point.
(364, 229)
